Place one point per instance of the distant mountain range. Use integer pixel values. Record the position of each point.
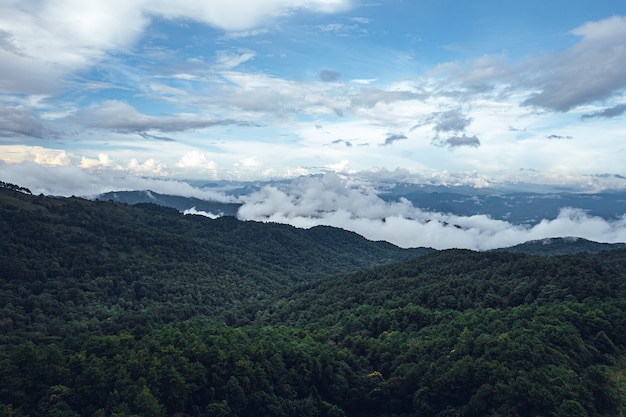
(215, 208)
(515, 207)
(518, 208)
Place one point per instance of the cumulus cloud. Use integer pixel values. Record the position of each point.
(15, 154)
(89, 163)
(328, 200)
(196, 159)
(149, 167)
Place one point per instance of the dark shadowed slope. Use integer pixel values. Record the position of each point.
(106, 259)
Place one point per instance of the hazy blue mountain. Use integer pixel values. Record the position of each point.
(178, 202)
(514, 207)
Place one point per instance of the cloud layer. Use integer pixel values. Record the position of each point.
(192, 88)
(350, 203)
(330, 201)
(42, 41)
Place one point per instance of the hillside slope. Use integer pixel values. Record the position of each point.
(113, 262)
(476, 334)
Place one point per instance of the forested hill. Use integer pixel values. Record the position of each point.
(110, 310)
(561, 246)
(461, 333)
(112, 259)
(168, 200)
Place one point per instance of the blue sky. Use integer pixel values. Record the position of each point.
(479, 92)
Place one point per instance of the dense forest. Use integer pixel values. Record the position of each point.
(108, 309)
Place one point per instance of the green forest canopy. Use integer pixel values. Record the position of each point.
(115, 310)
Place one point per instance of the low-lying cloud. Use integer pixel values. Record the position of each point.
(71, 180)
(193, 211)
(330, 201)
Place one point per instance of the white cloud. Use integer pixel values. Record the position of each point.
(330, 201)
(42, 41)
(149, 167)
(196, 159)
(45, 40)
(591, 70)
(363, 81)
(343, 166)
(89, 163)
(241, 15)
(467, 107)
(230, 60)
(257, 94)
(165, 90)
(208, 214)
(251, 162)
(71, 180)
(43, 156)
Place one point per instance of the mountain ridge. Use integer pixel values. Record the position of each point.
(48, 238)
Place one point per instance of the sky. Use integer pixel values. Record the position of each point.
(267, 89)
